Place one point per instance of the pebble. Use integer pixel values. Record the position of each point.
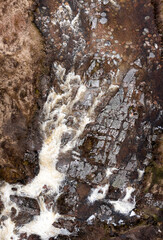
(103, 20)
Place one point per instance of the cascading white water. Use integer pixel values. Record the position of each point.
(77, 101)
(56, 111)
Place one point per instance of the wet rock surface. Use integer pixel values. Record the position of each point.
(106, 78)
(28, 209)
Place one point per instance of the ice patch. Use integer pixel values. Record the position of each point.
(115, 4)
(103, 20)
(94, 23)
(109, 220)
(105, 2)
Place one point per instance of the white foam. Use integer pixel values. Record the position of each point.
(7, 226)
(91, 219)
(42, 224)
(98, 193)
(101, 191)
(7, 230)
(76, 153)
(59, 71)
(140, 174)
(6, 192)
(53, 128)
(132, 214)
(109, 171)
(113, 87)
(125, 206)
(109, 220)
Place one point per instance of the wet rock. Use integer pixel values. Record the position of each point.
(64, 161)
(119, 180)
(113, 193)
(144, 232)
(22, 218)
(85, 210)
(61, 237)
(67, 201)
(83, 190)
(34, 237)
(28, 209)
(27, 204)
(98, 178)
(81, 170)
(105, 212)
(65, 223)
(88, 144)
(1, 206)
(23, 236)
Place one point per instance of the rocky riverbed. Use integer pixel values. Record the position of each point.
(81, 120)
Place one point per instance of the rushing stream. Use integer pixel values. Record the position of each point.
(95, 123)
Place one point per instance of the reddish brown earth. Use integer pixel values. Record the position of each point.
(21, 65)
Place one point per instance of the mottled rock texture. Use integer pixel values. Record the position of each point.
(21, 64)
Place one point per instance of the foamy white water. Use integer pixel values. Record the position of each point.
(125, 205)
(77, 101)
(56, 111)
(100, 192)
